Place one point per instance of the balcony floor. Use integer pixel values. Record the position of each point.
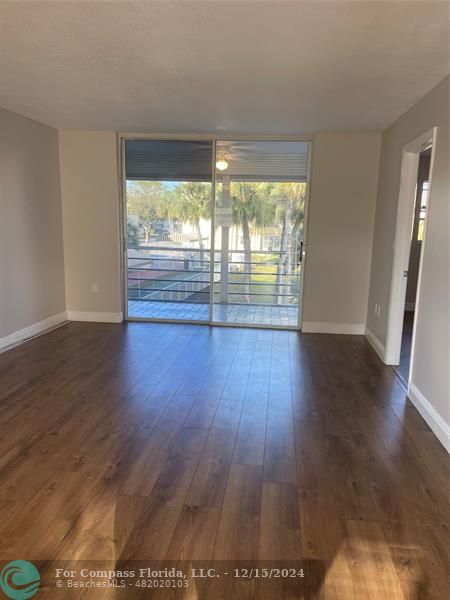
(277, 316)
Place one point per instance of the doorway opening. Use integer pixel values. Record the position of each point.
(420, 210)
(410, 239)
(214, 231)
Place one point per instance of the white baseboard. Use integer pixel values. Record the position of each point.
(433, 419)
(18, 337)
(342, 328)
(376, 344)
(95, 317)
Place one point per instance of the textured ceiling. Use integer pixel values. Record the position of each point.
(212, 65)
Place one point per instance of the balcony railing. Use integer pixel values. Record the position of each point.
(170, 273)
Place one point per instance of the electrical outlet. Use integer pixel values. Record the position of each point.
(94, 288)
(375, 310)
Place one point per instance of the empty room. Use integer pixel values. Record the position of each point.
(224, 299)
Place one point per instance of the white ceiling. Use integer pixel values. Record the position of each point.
(212, 65)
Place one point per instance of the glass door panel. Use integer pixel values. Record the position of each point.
(259, 228)
(168, 209)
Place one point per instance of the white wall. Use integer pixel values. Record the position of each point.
(431, 366)
(340, 231)
(342, 205)
(89, 188)
(31, 246)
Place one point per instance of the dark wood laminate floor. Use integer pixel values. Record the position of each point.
(405, 352)
(185, 443)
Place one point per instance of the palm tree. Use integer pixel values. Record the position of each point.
(284, 212)
(296, 195)
(291, 208)
(192, 203)
(251, 205)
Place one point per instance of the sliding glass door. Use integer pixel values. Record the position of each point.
(248, 271)
(168, 220)
(259, 229)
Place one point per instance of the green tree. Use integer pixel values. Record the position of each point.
(296, 193)
(191, 202)
(147, 200)
(290, 198)
(251, 206)
(132, 234)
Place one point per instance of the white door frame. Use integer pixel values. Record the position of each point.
(402, 245)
